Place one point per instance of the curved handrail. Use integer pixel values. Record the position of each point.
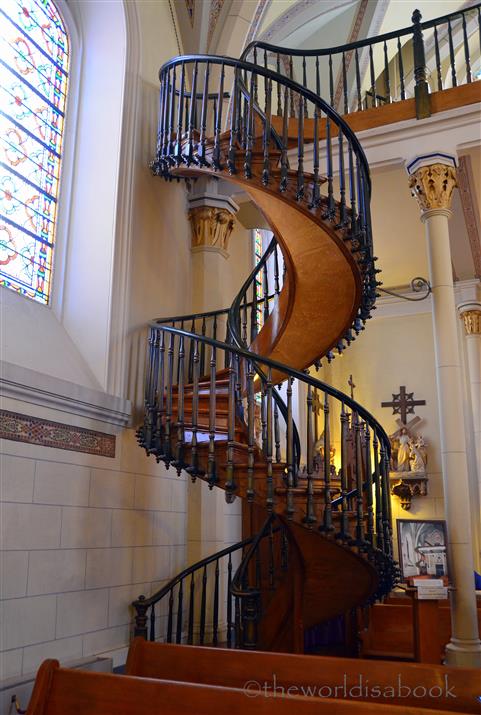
(290, 84)
(358, 44)
(237, 587)
(293, 373)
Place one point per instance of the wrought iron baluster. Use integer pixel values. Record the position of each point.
(230, 485)
(285, 140)
(215, 612)
(344, 83)
(316, 185)
(269, 480)
(160, 125)
(203, 123)
(179, 457)
(170, 616)
(369, 485)
(352, 191)
(342, 181)
(191, 353)
(331, 82)
(373, 78)
(291, 76)
(243, 317)
(310, 517)
(358, 81)
(250, 129)
(330, 185)
(234, 127)
(203, 607)
(211, 463)
(358, 475)
(466, 51)
(265, 290)
(438, 59)
(192, 117)
(180, 110)
(250, 432)
(344, 530)
(401, 68)
(284, 551)
(327, 467)
(318, 77)
(255, 94)
(180, 598)
(290, 453)
(267, 132)
(300, 155)
(229, 602)
(276, 270)
(202, 347)
(279, 101)
(254, 311)
(190, 627)
(171, 146)
(277, 434)
(451, 55)
(263, 419)
(216, 163)
(387, 82)
(193, 470)
(377, 493)
(304, 81)
(160, 412)
(168, 405)
(384, 471)
(272, 568)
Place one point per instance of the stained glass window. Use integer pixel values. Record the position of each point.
(258, 251)
(34, 57)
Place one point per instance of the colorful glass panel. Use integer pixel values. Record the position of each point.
(34, 57)
(259, 279)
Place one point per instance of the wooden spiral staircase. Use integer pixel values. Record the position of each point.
(221, 408)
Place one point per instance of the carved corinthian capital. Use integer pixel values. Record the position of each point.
(433, 186)
(211, 228)
(472, 321)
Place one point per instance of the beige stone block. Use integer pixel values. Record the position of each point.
(16, 478)
(27, 620)
(179, 495)
(84, 528)
(132, 528)
(13, 573)
(63, 650)
(58, 483)
(105, 640)
(55, 571)
(151, 563)
(169, 528)
(120, 598)
(151, 493)
(81, 611)
(178, 558)
(112, 489)
(30, 526)
(11, 663)
(108, 567)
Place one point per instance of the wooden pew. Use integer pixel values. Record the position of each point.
(59, 691)
(237, 668)
(389, 632)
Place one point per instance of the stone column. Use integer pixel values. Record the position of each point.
(432, 181)
(470, 313)
(212, 524)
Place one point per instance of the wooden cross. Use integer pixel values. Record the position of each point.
(403, 403)
(352, 386)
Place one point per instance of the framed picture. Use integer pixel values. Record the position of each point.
(422, 548)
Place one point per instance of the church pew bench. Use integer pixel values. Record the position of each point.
(60, 691)
(451, 689)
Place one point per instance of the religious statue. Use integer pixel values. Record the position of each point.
(403, 452)
(418, 454)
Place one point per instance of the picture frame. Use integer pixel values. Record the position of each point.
(423, 545)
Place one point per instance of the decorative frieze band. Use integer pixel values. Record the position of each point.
(45, 433)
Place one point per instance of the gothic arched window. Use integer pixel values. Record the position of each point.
(34, 59)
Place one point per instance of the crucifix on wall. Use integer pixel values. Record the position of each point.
(403, 403)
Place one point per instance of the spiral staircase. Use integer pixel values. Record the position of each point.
(222, 387)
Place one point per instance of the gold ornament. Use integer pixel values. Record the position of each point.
(211, 227)
(472, 322)
(433, 186)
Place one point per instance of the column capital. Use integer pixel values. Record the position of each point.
(470, 314)
(432, 180)
(211, 216)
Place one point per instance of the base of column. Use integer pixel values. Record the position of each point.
(463, 653)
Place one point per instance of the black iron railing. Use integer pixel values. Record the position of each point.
(412, 62)
(207, 603)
